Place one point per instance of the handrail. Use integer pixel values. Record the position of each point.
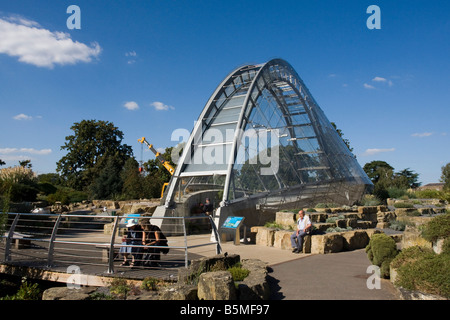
(36, 229)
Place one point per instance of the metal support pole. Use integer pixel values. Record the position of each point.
(216, 235)
(111, 246)
(185, 244)
(52, 241)
(9, 238)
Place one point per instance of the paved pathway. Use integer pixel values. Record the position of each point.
(334, 276)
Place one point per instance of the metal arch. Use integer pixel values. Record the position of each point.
(242, 122)
(283, 72)
(198, 126)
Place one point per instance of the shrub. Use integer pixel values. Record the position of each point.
(423, 270)
(428, 194)
(380, 251)
(397, 193)
(26, 291)
(327, 205)
(414, 213)
(438, 227)
(338, 229)
(403, 205)
(334, 219)
(119, 287)
(273, 225)
(371, 200)
(238, 273)
(149, 284)
(397, 225)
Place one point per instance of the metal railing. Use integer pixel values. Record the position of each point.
(55, 241)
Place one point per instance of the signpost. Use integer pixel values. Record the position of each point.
(233, 224)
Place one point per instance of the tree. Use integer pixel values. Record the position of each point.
(386, 181)
(89, 149)
(407, 178)
(133, 182)
(341, 134)
(378, 169)
(25, 164)
(2, 163)
(108, 184)
(445, 177)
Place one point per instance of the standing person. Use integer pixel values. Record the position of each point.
(153, 238)
(132, 237)
(303, 227)
(208, 207)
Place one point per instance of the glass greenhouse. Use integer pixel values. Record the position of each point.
(262, 136)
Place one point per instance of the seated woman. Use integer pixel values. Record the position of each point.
(133, 238)
(153, 236)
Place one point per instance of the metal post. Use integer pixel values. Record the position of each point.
(185, 243)
(9, 238)
(111, 246)
(216, 235)
(52, 241)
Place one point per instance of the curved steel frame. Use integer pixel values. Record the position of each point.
(276, 76)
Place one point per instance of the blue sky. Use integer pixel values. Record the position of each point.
(149, 67)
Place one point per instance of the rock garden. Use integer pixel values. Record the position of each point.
(408, 239)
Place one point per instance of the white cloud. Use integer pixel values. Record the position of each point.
(34, 45)
(22, 116)
(421, 135)
(371, 152)
(132, 54)
(161, 106)
(131, 105)
(379, 79)
(384, 80)
(25, 150)
(368, 86)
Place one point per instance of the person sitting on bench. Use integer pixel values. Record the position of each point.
(303, 228)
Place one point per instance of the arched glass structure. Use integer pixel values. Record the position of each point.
(262, 136)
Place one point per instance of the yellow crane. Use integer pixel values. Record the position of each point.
(163, 161)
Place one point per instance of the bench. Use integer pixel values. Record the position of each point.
(21, 240)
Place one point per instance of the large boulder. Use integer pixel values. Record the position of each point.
(286, 219)
(255, 285)
(412, 236)
(357, 239)
(317, 217)
(179, 292)
(265, 236)
(218, 285)
(327, 243)
(282, 239)
(66, 293)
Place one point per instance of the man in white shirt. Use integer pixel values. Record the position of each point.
(303, 226)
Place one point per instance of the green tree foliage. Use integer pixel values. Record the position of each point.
(88, 151)
(19, 182)
(341, 134)
(377, 170)
(388, 183)
(133, 181)
(445, 177)
(407, 177)
(108, 184)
